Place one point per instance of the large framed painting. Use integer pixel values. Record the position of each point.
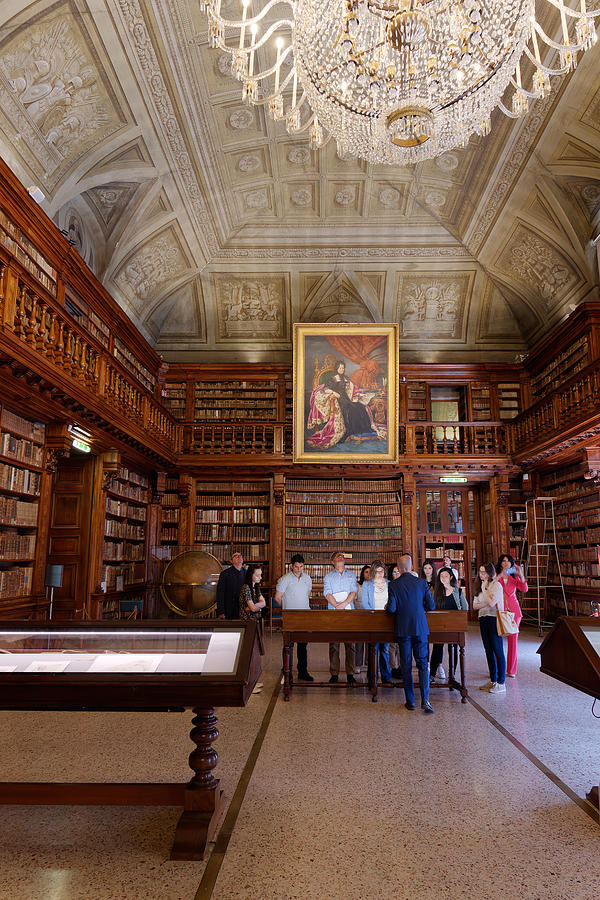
(345, 393)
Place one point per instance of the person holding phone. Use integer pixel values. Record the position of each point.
(511, 580)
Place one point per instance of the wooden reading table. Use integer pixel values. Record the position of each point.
(158, 665)
(361, 626)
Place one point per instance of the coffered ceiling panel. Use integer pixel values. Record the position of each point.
(216, 229)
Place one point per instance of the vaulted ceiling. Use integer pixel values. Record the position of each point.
(215, 230)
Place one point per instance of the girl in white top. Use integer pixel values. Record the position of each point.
(488, 596)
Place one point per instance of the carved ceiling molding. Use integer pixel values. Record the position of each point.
(517, 159)
(141, 44)
(345, 252)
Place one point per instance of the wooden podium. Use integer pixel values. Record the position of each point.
(571, 654)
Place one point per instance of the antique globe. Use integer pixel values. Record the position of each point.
(189, 584)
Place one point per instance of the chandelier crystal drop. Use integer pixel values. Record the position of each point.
(397, 81)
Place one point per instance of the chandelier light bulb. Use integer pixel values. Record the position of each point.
(399, 81)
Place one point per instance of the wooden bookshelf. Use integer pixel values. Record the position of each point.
(577, 521)
(230, 516)
(133, 364)
(509, 399)
(481, 409)
(125, 531)
(175, 397)
(417, 401)
(21, 460)
(242, 400)
(17, 243)
(561, 367)
(170, 512)
(362, 517)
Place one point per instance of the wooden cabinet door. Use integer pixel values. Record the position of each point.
(69, 541)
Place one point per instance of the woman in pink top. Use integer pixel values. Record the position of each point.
(510, 577)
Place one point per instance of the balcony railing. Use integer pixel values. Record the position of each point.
(41, 324)
(453, 439)
(575, 402)
(237, 440)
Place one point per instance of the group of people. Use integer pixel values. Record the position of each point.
(401, 592)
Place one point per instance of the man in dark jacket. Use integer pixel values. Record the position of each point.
(229, 587)
(409, 599)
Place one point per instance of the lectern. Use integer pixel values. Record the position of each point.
(571, 653)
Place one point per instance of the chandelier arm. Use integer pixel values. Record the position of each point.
(247, 23)
(545, 69)
(258, 76)
(277, 93)
(574, 48)
(507, 112)
(532, 95)
(575, 13)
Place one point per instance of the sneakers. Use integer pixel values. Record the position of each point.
(439, 673)
(498, 689)
(487, 686)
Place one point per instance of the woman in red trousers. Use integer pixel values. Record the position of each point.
(510, 577)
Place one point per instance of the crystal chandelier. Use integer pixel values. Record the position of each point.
(397, 81)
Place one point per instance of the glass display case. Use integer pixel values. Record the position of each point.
(149, 665)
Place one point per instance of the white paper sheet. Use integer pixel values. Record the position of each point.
(125, 662)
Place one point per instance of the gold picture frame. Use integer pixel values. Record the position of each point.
(359, 422)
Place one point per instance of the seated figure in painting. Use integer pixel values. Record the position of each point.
(340, 406)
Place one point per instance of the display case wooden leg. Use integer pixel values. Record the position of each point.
(373, 671)
(202, 798)
(287, 670)
(463, 687)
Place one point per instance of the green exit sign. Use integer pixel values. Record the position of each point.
(453, 479)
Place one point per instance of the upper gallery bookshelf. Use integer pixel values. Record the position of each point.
(29, 256)
(241, 400)
(232, 516)
(577, 521)
(21, 461)
(561, 367)
(124, 552)
(361, 517)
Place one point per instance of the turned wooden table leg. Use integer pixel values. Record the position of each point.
(202, 798)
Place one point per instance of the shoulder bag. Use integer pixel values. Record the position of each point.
(505, 622)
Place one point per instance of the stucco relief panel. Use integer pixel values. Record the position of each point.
(538, 266)
(52, 88)
(152, 268)
(251, 307)
(433, 307)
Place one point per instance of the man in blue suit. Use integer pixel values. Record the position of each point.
(409, 599)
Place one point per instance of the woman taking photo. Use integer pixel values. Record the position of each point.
(487, 598)
(511, 580)
(251, 599)
(375, 596)
(447, 595)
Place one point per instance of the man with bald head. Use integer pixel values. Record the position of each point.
(409, 599)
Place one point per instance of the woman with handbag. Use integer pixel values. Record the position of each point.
(488, 599)
(511, 580)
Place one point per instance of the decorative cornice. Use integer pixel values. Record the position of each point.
(141, 44)
(344, 252)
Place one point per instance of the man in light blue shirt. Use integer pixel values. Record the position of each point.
(340, 589)
(293, 592)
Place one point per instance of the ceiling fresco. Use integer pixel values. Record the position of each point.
(215, 230)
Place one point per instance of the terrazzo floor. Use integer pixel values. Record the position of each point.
(348, 799)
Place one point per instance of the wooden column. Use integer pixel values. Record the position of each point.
(499, 496)
(186, 512)
(276, 559)
(409, 517)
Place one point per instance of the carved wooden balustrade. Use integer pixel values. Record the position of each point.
(573, 405)
(237, 440)
(36, 320)
(453, 439)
